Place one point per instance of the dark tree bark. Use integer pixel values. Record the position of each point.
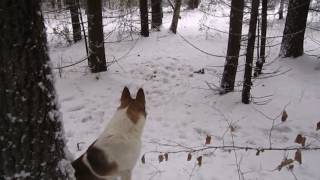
(157, 14)
(53, 3)
(31, 140)
(193, 4)
(262, 59)
(293, 34)
(235, 30)
(281, 9)
(250, 51)
(84, 4)
(176, 15)
(144, 18)
(73, 8)
(97, 59)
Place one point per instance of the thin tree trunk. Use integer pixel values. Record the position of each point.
(53, 4)
(293, 34)
(59, 2)
(235, 30)
(262, 59)
(193, 4)
(281, 9)
(97, 59)
(73, 7)
(250, 51)
(144, 18)
(176, 15)
(157, 14)
(32, 140)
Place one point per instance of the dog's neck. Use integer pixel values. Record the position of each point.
(121, 124)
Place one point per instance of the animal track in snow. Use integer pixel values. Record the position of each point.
(75, 108)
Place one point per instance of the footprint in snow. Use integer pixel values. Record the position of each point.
(75, 108)
(66, 99)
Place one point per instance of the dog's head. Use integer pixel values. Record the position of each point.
(135, 108)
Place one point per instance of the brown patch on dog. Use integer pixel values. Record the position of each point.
(98, 162)
(126, 98)
(82, 172)
(137, 107)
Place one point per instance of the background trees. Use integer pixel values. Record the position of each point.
(175, 18)
(192, 4)
(97, 59)
(127, 31)
(235, 32)
(264, 25)
(144, 18)
(293, 34)
(74, 12)
(157, 14)
(250, 50)
(32, 140)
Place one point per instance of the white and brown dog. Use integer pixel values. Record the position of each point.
(117, 149)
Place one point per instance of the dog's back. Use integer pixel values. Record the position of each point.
(116, 151)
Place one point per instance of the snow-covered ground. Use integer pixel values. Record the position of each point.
(183, 110)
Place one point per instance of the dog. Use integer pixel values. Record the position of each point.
(117, 149)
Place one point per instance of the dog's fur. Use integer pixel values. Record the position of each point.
(117, 149)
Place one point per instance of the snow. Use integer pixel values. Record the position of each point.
(182, 110)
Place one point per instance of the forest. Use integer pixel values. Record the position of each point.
(159, 89)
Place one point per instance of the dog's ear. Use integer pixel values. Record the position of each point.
(125, 97)
(140, 97)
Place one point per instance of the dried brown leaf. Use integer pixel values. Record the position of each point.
(160, 158)
(232, 129)
(143, 160)
(189, 157)
(299, 139)
(291, 167)
(284, 116)
(258, 152)
(166, 156)
(208, 139)
(284, 163)
(298, 156)
(199, 159)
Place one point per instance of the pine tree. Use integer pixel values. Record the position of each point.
(176, 15)
(73, 8)
(235, 30)
(193, 4)
(97, 58)
(293, 34)
(157, 14)
(281, 9)
(31, 139)
(261, 61)
(144, 18)
(250, 51)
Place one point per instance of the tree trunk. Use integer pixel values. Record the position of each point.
(235, 30)
(144, 18)
(262, 59)
(32, 140)
(73, 7)
(97, 59)
(293, 34)
(176, 15)
(59, 2)
(157, 13)
(281, 9)
(193, 4)
(250, 51)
